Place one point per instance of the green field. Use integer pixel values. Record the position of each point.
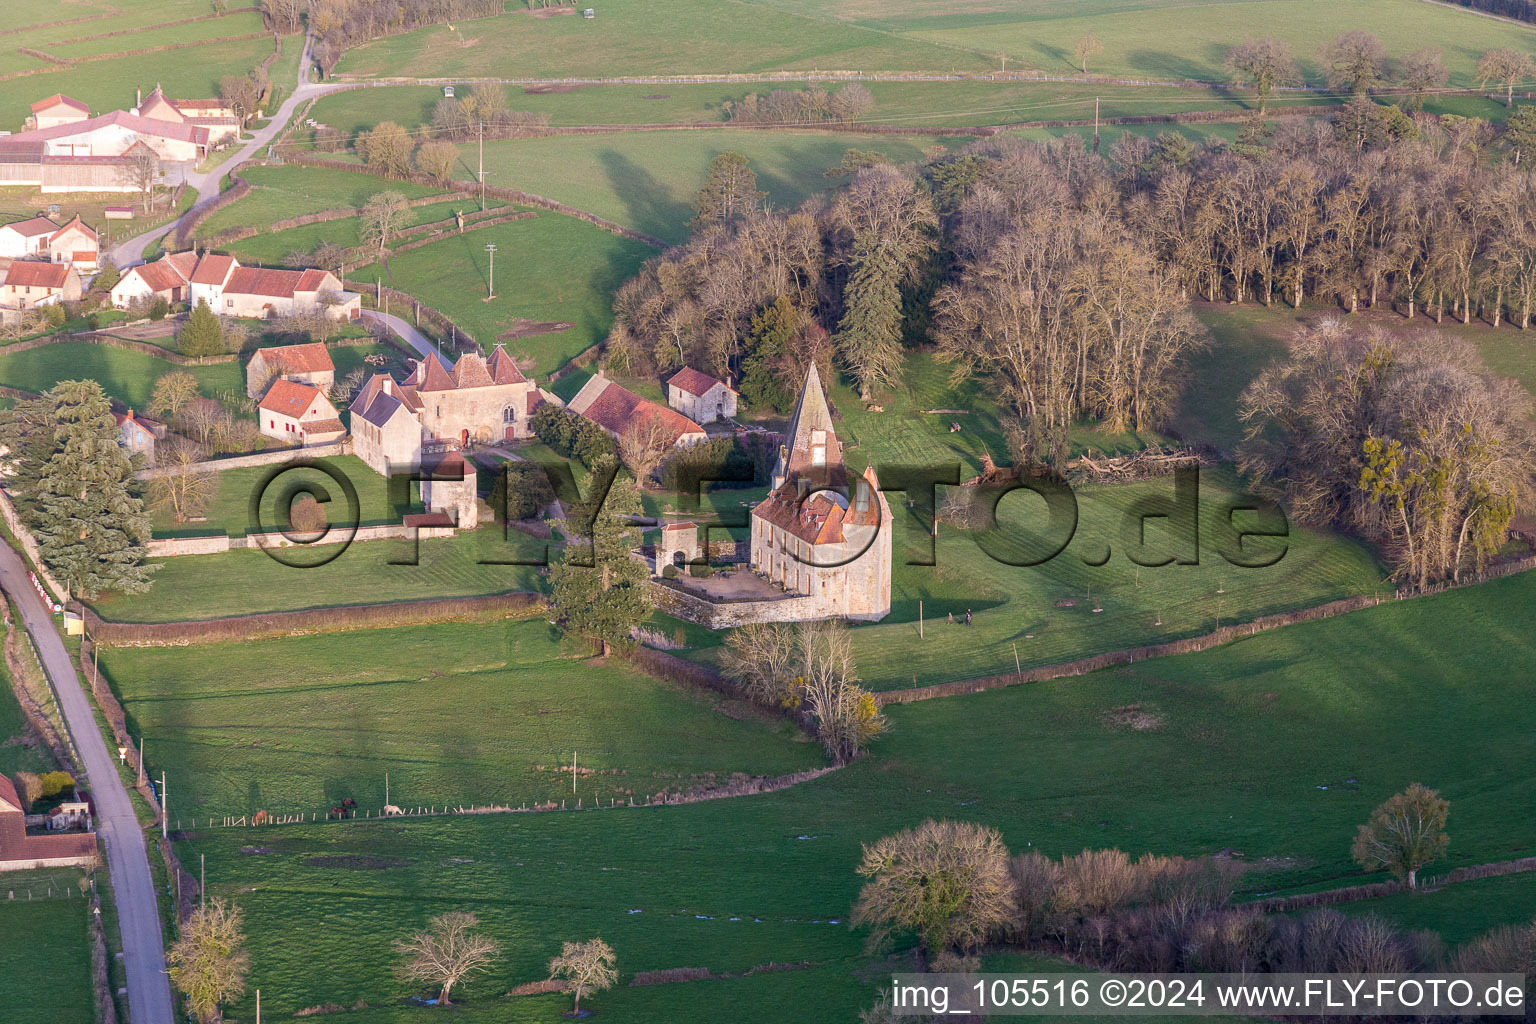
(274, 247)
(1461, 911)
(648, 180)
(107, 85)
(1276, 746)
(126, 375)
(17, 753)
(551, 268)
(950, 104)
(46, 942)
(649, 37)
(248, 581)
(293, 191)
(461, 713)
(229, 512)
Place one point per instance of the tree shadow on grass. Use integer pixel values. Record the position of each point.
(650, 208)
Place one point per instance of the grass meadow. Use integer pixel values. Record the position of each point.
(1275, 746)
(274, 247)
(293, 191)
(126, 375)
(47, 946)
(247, 581)
(664, 37)
(458, 713)
(551, 268)
(648, 181)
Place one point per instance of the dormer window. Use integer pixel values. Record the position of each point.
(818, 447)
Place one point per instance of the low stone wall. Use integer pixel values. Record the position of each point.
(319, 451)
(170, 547)
(723, 615)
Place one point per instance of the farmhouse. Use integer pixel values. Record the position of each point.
(299, 414)
(219, 120)
(618, 410)
(73, 243)
(233, 290)
(386, 433)
(29, 284)
(21, 852)
(307, 364)
(167, 278)
(808, 537)
(701, 397)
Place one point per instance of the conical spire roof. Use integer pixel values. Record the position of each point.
(811, 449)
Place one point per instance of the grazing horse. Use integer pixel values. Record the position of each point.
(336, 812)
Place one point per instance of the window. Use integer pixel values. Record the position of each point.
(509, 415)
(229, 302)
(818, 447)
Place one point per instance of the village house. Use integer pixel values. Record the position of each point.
(56, 110)
(809, 536)
(233, 290)
(476, 400)
(74, 243)
(701, 397)
(308, 364)
(618, 410)
(21, 852)
(29, 284)
(139, 434)
(386, 429)
(298, 414)
(167, 278)
(24, 238)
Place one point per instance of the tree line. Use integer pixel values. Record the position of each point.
(339, 25)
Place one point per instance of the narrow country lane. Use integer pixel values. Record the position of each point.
(131, 252)
(138, 915)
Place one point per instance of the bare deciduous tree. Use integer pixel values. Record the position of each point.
(588, 966)
(447, 952)
(1266, 63)
(184, 488)
(1086, 47)
(381, 217)
(1508, 68)
(141, 172)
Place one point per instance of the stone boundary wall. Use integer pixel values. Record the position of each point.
(107, 339)
(721, 615)
(170, 547)
(513, 604)
(319, 451)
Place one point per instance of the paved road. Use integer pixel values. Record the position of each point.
(410, 335)
(138, 916)
(130, 252)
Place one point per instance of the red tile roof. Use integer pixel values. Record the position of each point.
(432, 376)
(331, 426)
(34, 227)
(696, 382)
(470, 372)
(15, 844)
(184, 263)
(277, 284)
(617, 409)
(121, 118)
(59, 99)
(503, 368)
(76, 224)
(290, 398)
(418, 520)
(37, 275)
(159, 276)
(308, 358)
(213, 269)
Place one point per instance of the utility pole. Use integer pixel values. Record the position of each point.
(481, 133)
(202, 882)
(141, 760)
(386, 789)
(573, 771)
(165, 810)
(1095, 124)
(490, 283)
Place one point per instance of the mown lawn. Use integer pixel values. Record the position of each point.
(549, 268)
(248, 581)
(126, 375)
(648, 180)
(1275, 746)
(274, 247)
(229, 512)
(469, 713)
(47, 944)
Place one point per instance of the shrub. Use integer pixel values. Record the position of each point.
(159, 308)
(55, 315)
(29, 787)
(54, 783)
(521, 491)
(701, 570)
(572, 436)
(669, 572)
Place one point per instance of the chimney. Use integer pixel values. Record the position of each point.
(138, 98)
(389, 386)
